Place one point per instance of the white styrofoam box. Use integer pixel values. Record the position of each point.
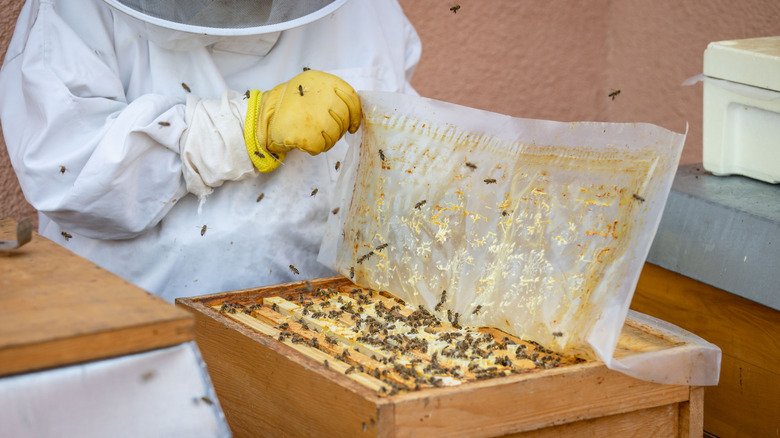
(741, 113)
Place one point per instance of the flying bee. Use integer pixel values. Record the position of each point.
(335, 210)
(300, 89)
(420, 204)
(638, 198)
(476, 309)
(490, 180)
(260, 197)
(338, 165)
(259, 154)
(382, 154)
(163, 123)
(314, 192)
(471, 166)
(294, 270)
(186, 87)
(613, 94)
(455, 9)
(203, 229)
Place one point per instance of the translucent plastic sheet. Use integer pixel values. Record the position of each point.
(534, 227)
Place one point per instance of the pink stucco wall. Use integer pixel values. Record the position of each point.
(555, 60)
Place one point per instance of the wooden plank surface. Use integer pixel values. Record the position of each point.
(655, 422)
(57, 309)
(265, 393)
(517, 404)
(745, 402)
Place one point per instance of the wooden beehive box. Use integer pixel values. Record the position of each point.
(58, 309)
(271, 386)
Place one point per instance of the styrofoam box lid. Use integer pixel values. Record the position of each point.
(752, 61)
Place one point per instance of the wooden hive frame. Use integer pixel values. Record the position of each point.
(270, 388)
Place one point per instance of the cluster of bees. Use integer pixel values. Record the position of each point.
(375, 335)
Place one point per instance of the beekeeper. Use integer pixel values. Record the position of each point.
(185, 145)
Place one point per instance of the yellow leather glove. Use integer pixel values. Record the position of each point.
(310, 112)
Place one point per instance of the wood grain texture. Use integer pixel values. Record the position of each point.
(655, 422)
(745, 401)
(267, 388)
(57, 308)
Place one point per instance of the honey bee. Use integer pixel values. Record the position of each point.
(557, 334)
(203, 230)
(207, 400)
(335, 210)
(186, 87)
(338, 165)
(471, 166)
(306, 69)
(613, 94)
(443, 297)
(420, 204)
(294, 270)
(381, 247)
(300, 89)
(246, 95)
(260, 197)
(504, 213)
(259, 154)
(476, 309)
(638, 198)
(490, 180)
(438, 306)
(163, 123)
(63, 169)
(66, 235)
(325, 362)
(352, 272)
(455, 9)
(382, 154)
(314, 192)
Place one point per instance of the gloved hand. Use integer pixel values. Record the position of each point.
(310, 112)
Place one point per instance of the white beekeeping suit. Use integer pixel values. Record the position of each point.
(124, 121)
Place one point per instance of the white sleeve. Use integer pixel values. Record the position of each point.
(213, 149)
(86, 158)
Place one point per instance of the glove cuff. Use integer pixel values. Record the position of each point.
(263, 160)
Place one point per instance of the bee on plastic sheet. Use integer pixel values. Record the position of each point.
(381, 247)
(382, 154)
(420, 204)
(638, 198)
(306, 69)
(260, 197)
(314, 192)
(476, 309)
(163, 123)
(186, 87)
(504, 213)
(557, 334)
(63, 169)
(294, 270)
(455, 9)
(335, 210)
(206, 400)
(438, 306)
(443, 297)
(338, 165)
(203, 229)
(352, 272)
(613, 94)
(471, 166)
(490, 180)
(66, 235)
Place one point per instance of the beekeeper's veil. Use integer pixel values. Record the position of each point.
(186, 24)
